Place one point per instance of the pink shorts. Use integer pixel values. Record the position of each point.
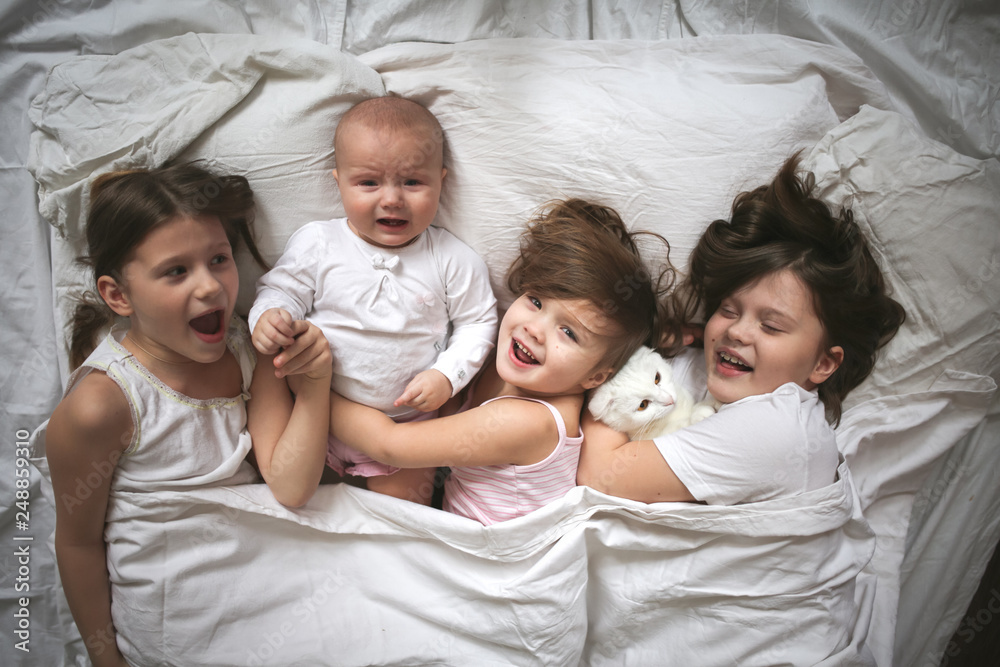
(346, 460)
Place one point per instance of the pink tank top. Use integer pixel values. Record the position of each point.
(491, 494)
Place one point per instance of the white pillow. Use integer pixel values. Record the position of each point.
(266, 108)
(931, 216)
(665, 132)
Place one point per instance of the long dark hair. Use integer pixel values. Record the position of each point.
(781, 226)
(575, 249)
(125, 206)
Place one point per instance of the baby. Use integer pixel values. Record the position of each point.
(407, 307)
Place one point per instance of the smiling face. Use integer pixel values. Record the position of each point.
(178, 290)
(551, 347)
(765, 335)
(390, 183)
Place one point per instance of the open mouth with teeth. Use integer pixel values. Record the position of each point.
(392, 222)
(732, 362)
(208, 327)
(521, 353)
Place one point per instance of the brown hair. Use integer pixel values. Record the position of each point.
(126, 205)
(575, 249)
(781, 226)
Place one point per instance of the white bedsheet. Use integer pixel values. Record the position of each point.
(936, 60)
(228, 576)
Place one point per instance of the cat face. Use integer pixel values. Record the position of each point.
(642, 392)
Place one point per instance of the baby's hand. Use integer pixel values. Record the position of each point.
(308, 354)
(426, 392)
(273, 331)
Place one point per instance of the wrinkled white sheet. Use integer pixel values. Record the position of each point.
(280, 100)
(937, 61)
(228, 576)
(511, 145)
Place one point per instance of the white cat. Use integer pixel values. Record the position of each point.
(643, 400)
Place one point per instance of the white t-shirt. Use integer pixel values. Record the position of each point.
(758, 448)
(388, 313)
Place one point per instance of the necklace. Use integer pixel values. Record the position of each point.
(166, 361)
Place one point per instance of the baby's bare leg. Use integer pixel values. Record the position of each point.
(415, 484)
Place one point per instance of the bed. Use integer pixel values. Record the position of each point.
(663, 110)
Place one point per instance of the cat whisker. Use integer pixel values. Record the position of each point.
(642, 432)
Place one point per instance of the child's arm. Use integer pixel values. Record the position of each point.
(277, 335)
(505, 431)
(290, 434)
(87, 434)
(611, 464)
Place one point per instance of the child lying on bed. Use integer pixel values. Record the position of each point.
(572, 326)
(160, 404)
(407, 308)
(798, 310)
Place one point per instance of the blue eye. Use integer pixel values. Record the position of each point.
(175, 271)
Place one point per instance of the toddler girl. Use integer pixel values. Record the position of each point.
(797, 311)
(586, 303)
(160, 403)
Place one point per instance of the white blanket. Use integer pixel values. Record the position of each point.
(227, 576)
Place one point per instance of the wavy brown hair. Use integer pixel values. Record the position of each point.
(125, 206)
(782, 226)
(575, 249)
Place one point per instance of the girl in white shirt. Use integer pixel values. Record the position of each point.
(586, 303)
(797, 311)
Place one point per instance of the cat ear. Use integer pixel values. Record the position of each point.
(600, 403)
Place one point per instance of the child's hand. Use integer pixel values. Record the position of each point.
(690, 333)
(426, 392)
(273, 331)
(308, 354)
